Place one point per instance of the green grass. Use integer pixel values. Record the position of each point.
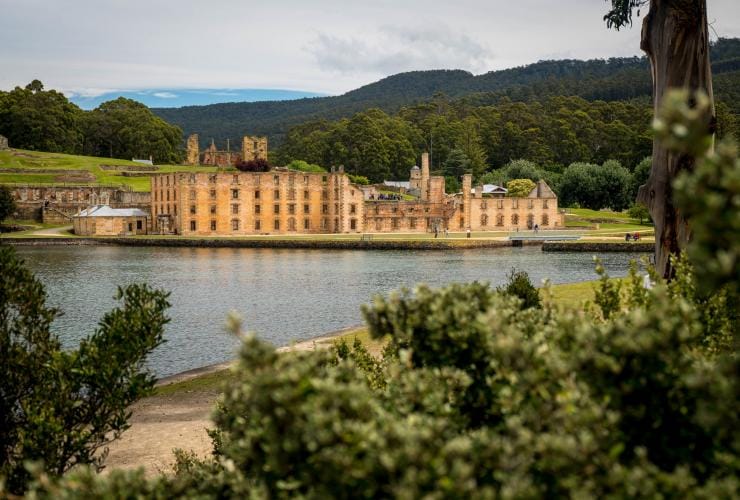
(208, 382)
(29, 161)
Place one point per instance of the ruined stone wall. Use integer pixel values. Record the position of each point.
(244, 203)
(3, 142)
(509, 214)
(254, 148)
(193, 150)
(403, 216)
(56, 204)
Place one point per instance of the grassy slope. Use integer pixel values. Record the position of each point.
(28, 161)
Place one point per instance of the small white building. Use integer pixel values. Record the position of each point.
(102, 220)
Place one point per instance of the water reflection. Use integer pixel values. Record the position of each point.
(283, 295)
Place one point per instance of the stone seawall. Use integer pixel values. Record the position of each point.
(561, 246)
(268, 243)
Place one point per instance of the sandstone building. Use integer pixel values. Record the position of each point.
(290, 202)
(252, 148)
(102, 220)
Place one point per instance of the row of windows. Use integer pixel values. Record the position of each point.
(166, 195)
(514, 204)
(544, 220)
(213, 179)
(235, 207)
(292, 225)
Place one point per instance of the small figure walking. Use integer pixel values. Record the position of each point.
(436, 231)
(536, 228)
(447, 233)
(468, 232)
(627, 237)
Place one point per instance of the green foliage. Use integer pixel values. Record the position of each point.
(452, 184)
(7, 203)
(124, 128)
(519, 188)
(359, 179)
(303, 166)
(58, 407)
(596, 187)
(607, 295)
(639, 211)
(520, 286)
(456, 164)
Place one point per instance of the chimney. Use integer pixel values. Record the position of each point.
(424, 184)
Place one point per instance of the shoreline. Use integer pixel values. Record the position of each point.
(338, 244)
(297, 345)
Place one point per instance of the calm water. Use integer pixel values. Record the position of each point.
(283, 295)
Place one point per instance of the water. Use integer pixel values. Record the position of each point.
(283, 295)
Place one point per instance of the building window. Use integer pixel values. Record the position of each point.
(483, 205)
(138, 225)
(192, 178)
(291, 194)
(305, 194)
(291, 209)
(277, 225)
(412, 223)
(257, 225)
(193, 225)
(484, 220)
(324, 208)
(305, 208)
(276, 179)
(174, 209)
(378, 224)
(213, 194)
(234, 194)
(530, 204)
(324, 194)
(514, 203)
(256, 209)
(276, 209)
(155, 196)
(305, 181)
(277, 194)
(193, 209)
(515, 219)
(256, 180)
(395, 224)
(306, 224)
(324, 224)
(213, 225)
(213, 209)
(234, 208)
(353, 224)
(544, 203)
(336, 208)
(462, 222)
(530, 221)
(168, 196)
(212, 178)
(323, 179)
(499, 204)
(174, 195)
(235, 179)
(291, 180)
(545, 220)
(234, 224)
(500, 220)
(256, 194)
(291, 224)
(353, 208)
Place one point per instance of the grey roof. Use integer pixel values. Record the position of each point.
(398, 184)
(415, 167)
(542, 190)
(106, 211)
(491, 189)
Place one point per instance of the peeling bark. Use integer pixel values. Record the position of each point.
(675, 39)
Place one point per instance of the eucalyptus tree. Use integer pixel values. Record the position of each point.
(675, 39)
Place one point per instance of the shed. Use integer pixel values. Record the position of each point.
(102, 220)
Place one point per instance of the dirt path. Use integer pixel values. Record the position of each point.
(170, 420)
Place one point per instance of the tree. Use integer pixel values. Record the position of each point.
(640, 176)
(303, 166)
(456, 165)
(62, 407)
(639, 211)
(675, 39)
(613, 183)
(7, 203)
(520, 188)
(519, 285)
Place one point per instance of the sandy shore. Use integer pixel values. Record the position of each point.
(179, 419)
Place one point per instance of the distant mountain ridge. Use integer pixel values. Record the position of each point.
(596, 79)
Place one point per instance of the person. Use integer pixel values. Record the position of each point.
(627, 237)
(436, 231)
(447, 233)
(536, 228)
(636, 236)
(468, 232)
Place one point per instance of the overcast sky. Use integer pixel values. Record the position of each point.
(330, 46)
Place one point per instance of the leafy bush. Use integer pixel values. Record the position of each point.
(7, 204)
(639, 211)
(520, 188)
(303, 166)
(520, 286)
(60, 407)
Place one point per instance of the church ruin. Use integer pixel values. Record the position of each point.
(252, 148)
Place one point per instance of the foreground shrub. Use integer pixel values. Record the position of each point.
(60, 407)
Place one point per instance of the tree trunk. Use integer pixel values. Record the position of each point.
(674, 37)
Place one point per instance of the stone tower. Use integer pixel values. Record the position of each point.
(415, 179)
(193, 154)
(424, 182)
(254, 148)
(467, 186)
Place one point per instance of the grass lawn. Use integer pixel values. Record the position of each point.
(26, 166)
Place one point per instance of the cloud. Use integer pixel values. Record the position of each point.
(165, 95)
(394, 49)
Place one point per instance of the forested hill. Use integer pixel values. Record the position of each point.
(598, 79)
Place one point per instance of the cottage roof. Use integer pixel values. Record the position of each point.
(398, 184)
(491, 189)
(106, 211)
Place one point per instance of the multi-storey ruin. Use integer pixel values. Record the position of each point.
(252, 148)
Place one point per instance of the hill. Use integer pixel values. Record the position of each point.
(598, 79)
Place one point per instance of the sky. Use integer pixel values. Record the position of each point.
(87, 48)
